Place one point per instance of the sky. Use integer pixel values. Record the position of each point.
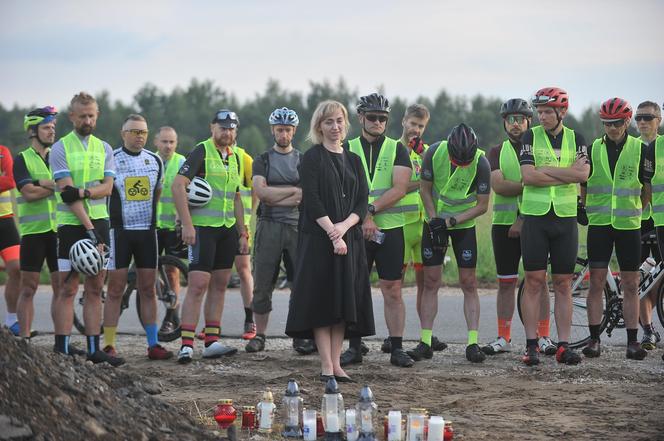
(594, 49)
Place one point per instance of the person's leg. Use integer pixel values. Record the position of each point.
(25, 306)
(562, 286)
(600, 247)
(117, 282)
(336, 343)
(12, 286)
(243, 268)
(323, 337)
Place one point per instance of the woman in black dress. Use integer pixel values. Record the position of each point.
(331, 296)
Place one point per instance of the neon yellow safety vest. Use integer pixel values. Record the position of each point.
(451, 190)
(616, 200)
(87, 170)
(165, 206)
(658, 183)
(505, 208)
(245, 192)
(219, 212)
(36, 216)
(537, 201)
(394, 216)
(413, 197)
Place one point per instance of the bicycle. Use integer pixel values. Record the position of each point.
(165, 295)
(612, 316)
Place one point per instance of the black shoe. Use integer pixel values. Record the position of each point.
(437, 345)
(636, 352)
(325, 378)
(400, 358)
(592, 349)
(531, 357)
(256, 344)
(304, 346)
(386, 346)
(341, 379)
(364, 348)
(420, 352)
(565, 355)
(350, 356)
(103, 357)
(474, 354)
(73, 350)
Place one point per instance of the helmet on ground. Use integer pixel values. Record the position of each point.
(284, 116)
(85, 258)
(199, 192)
(226, 118)
(462, 144)
(373, 103)
(615, 109)
(551, 97)
(42, 115)
(516, 106)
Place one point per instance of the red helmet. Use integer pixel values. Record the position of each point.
(615, 109)
(551, 97)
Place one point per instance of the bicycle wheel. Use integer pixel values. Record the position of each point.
(579, 334)
(660, 304)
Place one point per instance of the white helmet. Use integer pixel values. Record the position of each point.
(85, 258)
(199, 192)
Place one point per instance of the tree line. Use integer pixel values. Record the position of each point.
(190, 109)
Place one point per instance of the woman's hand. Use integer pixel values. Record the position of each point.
(340, 247)
(338, 231)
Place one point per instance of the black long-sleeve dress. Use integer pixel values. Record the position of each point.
(329, 288)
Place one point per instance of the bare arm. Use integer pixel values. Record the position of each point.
(102, 190)
(532, 176)
(179, 191)
(426, 188)
(412, 186)
(238, 208)
(400, 179)
(584, 191)
(272, 195)
(646, 194)
(31, 192)
(575, 174)
(505, 187)
(77, 207)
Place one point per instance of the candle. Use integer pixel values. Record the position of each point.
(332, 420)
(394, 425)
(436, 427)
(351, 428)
(416, 429)
(309, 425)
(265, 422)
(366, 421)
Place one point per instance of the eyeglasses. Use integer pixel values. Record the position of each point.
(137, 132)
(374, 118)
(515, 119)
(645, 117)
(616, 124)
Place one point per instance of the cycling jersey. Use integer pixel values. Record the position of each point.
(6, 182)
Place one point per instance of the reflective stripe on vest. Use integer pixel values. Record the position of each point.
(505, 208)
(219, 212)
(87, 170)
(450, 188)
(413, 198)
(245, 192)
(165, 206)
(658, 183)
(36, 216)
(394, 216)
(6, 203)
(537, 201)
(616, 200)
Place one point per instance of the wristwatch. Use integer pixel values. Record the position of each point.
(453, 221)
(371, 209)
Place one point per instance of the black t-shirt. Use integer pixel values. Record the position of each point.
(372, 150)
(21, 174)
(194, 164)
(646, 169)
(526, 155)
(482, 182)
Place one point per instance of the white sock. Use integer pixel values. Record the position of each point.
(10, 319)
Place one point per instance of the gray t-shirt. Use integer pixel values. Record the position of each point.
(279, 170)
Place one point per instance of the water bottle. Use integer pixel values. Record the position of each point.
(646, 266)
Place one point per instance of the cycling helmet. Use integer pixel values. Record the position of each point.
(284, 117)
(39, 116)
(226, 118)
(199, 192)
(373, 103)
(462, 144)
(85, 258)
(615, 109)
(516, 106)
(551, 97)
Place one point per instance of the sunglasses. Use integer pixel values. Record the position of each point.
(616, 124)
(645, 117)
(225, 114)
(137, 132)
(515, 119)
(538, 100)
(374, 118)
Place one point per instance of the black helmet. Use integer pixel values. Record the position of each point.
(373, 103)
(462, 144)
(516, 106)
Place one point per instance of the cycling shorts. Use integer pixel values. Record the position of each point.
(647, 226)
(167, 240)
(603, 238)
(412, 238)
(387, 256)
(68, 235)
(549, 237)
(214, 249)
(506, 252)
(9, 239)
(464, 245)
(139, 244)
(35, 248)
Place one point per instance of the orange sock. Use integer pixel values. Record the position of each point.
(505, 329)
(543, 328)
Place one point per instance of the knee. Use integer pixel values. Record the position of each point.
(534, 285)
(468, 282)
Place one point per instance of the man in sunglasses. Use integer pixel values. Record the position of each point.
(132, 208)
(214, 232)
(614, 196)
(553, 161)
(388, 171)
(648, 119)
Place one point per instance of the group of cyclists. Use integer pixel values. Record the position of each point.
(86, 208)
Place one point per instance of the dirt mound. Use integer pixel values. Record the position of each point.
(46, 396)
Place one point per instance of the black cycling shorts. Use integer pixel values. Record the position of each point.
(8, 233)
(549, 236)
(35, 248)
(647, 226)
(602, 239)
(506, 251)
(139, 244)
(214, 249)
(167, 241)
(464, 245)
(68, 235)
(388, 256)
